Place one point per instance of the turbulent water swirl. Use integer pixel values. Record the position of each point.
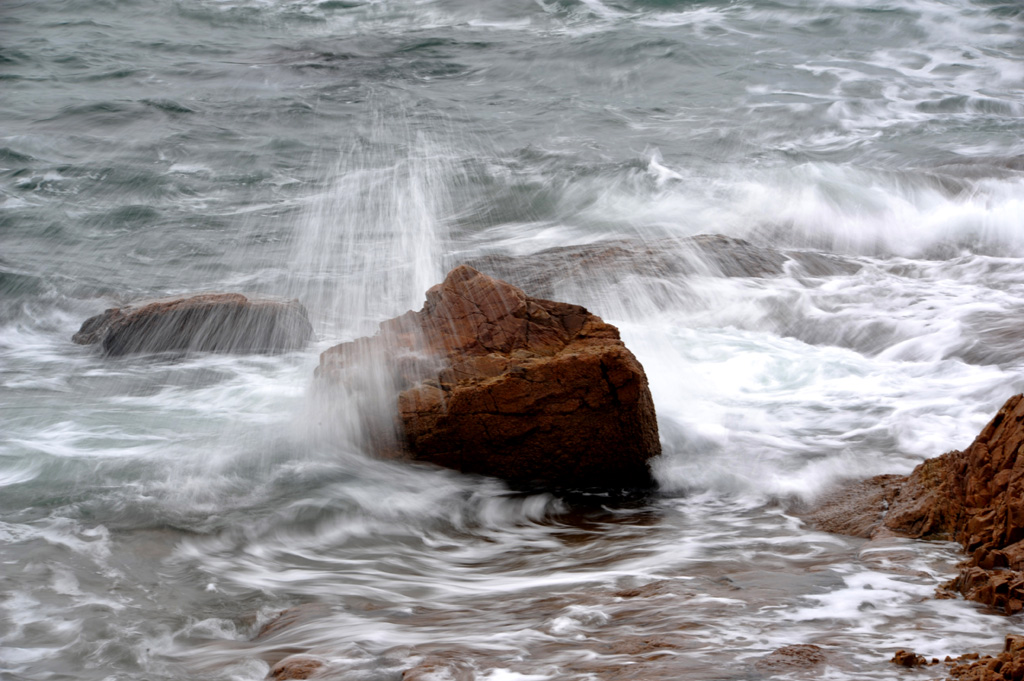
(157, 511)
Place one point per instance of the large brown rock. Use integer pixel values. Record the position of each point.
(493, 381)
(211, 322)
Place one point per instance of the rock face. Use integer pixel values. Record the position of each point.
(975, 497)
(213, 322)
(493, 381)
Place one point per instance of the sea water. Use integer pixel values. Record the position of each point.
(155, 512)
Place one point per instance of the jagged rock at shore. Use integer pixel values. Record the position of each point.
(1007, 666)
(496, 382)
(974, 496)
(210, 322)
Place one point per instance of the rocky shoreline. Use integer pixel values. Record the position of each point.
(486, 379)
(974, 497)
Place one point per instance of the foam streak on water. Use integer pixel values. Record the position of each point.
(155, 512)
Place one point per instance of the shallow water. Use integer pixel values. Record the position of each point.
(155, 512)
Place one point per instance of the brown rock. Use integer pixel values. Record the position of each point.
(857, 509)
(212, 322)
(908, 658)
(296, 667)
(800, 656)
(1002, 589)
(493, 381)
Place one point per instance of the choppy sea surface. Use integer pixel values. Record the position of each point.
(155, 512)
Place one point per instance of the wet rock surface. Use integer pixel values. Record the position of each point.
(496, 382)
(909, 659)
(974, 497)
(212, 322)
(857, 509)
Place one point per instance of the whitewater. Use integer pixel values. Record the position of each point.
(157, 511)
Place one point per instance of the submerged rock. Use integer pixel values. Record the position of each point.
(974, 496)
(612, 261)
(210, 322)
(296, 667)
(712, 254)
(495, 382)
(802, 656)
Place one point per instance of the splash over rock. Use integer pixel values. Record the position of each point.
(493, 381)
(211, 322)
